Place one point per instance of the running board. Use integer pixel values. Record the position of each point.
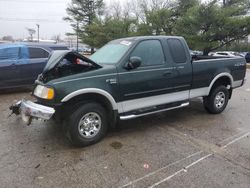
(132, 116)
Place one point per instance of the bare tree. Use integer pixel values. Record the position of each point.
(31, 32)
(116, 9)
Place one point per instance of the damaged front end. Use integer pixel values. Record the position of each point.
(66, 63)
(30, 110)
(60, 64)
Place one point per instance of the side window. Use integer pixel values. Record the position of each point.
(37, 53)
(177, 50)
(9, 53)
(150, 51)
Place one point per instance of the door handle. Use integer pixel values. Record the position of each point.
(167, 73)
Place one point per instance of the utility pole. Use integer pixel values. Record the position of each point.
(77, 33)
(38, 26)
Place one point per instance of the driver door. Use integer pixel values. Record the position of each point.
(140, 87)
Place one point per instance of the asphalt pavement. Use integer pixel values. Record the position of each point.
(181, 148)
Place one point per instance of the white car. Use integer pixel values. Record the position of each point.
(225, 53)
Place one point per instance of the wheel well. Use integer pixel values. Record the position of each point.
(75, 102)
(225, 81)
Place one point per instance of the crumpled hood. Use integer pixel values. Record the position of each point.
(57, 56)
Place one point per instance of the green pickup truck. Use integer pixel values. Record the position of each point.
(125, 79)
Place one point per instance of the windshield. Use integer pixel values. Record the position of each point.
(110, 53)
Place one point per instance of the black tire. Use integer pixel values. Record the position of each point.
(73, 130)
(210, 102)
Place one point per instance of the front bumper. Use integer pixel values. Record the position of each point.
(30, 110)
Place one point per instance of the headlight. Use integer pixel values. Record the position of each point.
(44, 92)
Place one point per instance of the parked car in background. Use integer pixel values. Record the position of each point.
(225, 53)
(20, 64)
(195, 52)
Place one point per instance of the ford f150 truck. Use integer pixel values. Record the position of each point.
(128, 78)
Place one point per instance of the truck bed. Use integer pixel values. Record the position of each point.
(205, 69)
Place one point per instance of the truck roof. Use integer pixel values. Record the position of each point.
(147, 37)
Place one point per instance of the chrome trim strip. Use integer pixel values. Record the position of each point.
(169, 68)
(92, 90)
(97, 76)
(166, 109)
(155, 90)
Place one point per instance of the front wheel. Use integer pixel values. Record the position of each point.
(87, 124)
(217, 100)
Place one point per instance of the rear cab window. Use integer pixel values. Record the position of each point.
(177, 50)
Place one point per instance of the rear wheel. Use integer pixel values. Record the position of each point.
(87, 124)
(217, 100)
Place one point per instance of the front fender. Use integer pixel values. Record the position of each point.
(92, 90)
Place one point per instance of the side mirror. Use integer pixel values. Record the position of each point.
(133, 63)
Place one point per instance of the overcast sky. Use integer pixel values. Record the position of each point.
(17, 15)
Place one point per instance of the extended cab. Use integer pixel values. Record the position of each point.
(128, 78)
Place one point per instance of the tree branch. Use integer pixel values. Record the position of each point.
(228, 42)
